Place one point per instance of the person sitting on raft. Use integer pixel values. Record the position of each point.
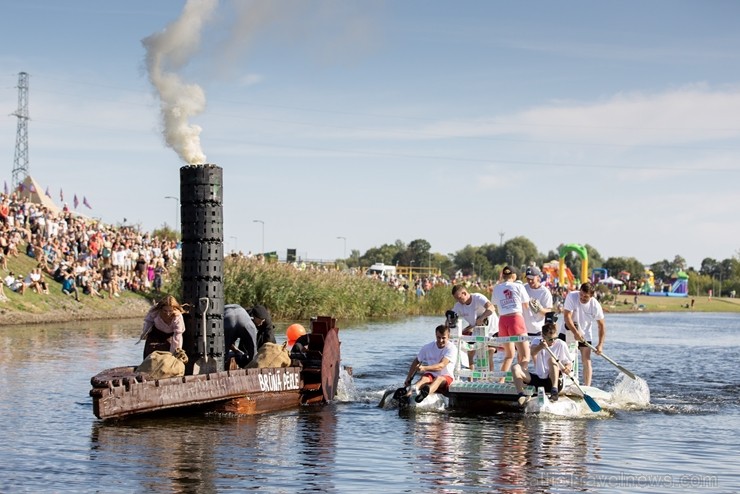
(436, 362)
(546, 372)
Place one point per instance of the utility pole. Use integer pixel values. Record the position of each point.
(20, 164)
(501, 239)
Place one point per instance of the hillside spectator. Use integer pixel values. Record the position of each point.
(69, 287)
(36, 281)
(140, 270)
(15, 284)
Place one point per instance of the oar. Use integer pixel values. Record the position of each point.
(589, 401)
(630, 374)
(387, 393)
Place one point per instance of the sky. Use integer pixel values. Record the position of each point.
(345, 125)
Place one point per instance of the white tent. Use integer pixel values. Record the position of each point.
(611, 281)
(32, 191)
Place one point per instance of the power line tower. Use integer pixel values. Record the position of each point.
(20, 165)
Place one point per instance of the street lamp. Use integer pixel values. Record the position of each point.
(263, 234)
(345, 245)
(177, 210)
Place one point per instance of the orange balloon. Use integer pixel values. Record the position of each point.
(294, 332)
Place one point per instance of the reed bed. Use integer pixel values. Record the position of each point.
(293, 294)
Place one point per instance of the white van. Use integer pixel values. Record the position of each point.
(380, 269)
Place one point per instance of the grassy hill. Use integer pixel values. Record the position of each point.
(39, 308)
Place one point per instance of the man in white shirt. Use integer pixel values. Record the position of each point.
(534, 318)
(546, 372)
(436, 363)
(476, 310)
(580, 311)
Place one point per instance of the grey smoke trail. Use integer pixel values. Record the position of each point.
(166, 53)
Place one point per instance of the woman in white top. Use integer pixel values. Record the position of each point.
(510, 297)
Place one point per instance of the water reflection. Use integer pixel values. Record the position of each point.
(506, 453)
(173, 454)
(317, 449)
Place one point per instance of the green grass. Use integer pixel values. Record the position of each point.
(674, 304)
(31, 306)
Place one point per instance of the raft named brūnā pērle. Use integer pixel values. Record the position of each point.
(313, 373)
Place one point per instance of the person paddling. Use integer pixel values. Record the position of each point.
(546, 372)
(436, 362)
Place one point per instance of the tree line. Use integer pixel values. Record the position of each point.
(485, 262)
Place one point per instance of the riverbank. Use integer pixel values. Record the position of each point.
(33, 308)
(39, 308)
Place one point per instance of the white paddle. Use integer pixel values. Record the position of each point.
(589, 401)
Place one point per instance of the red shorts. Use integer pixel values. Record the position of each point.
(430, 376)
(511, 325)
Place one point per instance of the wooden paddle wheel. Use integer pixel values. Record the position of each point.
(318, 355)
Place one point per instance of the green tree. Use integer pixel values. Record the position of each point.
(615, 265)
(386, 253)
(518, 252)
(418, 251)
(709, 266)
(594, 258)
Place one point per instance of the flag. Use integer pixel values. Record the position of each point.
(6, 187)
(48, 194)
(21, 187)
(31, 188)
(61, 194)
(84, 201)
(76, 202)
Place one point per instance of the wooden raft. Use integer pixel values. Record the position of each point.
(121, 392)
(312, 379)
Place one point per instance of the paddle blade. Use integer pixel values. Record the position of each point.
(385, 397)
(591, 403)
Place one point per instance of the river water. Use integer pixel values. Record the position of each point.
(686, 439)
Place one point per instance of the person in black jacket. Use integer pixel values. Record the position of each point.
(262, 321)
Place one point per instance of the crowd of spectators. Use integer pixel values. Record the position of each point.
(82, 255)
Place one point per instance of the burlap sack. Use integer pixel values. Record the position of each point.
(271, 355)
(161, 365)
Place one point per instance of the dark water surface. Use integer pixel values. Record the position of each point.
(685, 440)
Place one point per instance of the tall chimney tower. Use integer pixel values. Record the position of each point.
(201, 210)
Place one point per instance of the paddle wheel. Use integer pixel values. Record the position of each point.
(318, 355)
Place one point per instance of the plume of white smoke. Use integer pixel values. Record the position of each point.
(166, 53)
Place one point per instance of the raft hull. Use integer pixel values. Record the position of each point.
(311, 380)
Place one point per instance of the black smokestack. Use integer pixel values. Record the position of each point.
(201, 203)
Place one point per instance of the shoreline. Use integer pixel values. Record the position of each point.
(137, 307)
